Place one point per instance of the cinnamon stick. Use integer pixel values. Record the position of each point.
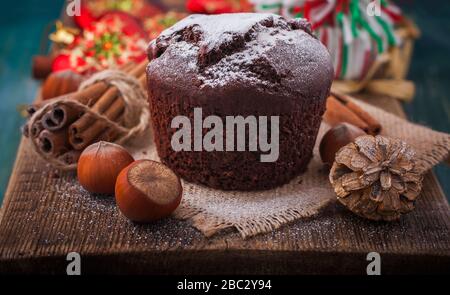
(36, 129)
(25, 130)
(337, 113)
(87, 96)
(31, 109)
(85, 130)
(127, 67)
(80, 140)
(374, 127)
(343, 110)
(71, 157)
(111, 134)
(60, 117)
(54, 143)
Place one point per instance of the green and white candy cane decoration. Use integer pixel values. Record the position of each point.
(354, 37)
(287, 8)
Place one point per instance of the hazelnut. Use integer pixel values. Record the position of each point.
(99, 165)
(147, 191)
(60, 83)
(337, 137)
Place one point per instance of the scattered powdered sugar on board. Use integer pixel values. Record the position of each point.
(92, 211)
(212, 210)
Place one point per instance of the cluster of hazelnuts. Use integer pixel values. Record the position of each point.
(145, 190)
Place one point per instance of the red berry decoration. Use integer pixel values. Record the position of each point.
(93, 10)
(61, 62)
(85, 19)
(218, 6)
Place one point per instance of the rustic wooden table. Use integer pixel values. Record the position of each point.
(40, 224)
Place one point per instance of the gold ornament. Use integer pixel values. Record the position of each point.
(376, 177)
(63, 35)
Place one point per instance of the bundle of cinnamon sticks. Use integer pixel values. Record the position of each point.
(63, 131)
(341, 109)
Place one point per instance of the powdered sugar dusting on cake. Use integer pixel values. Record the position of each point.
(264, 49)
(218, 28)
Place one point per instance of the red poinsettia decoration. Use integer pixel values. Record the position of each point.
(114, 39)
(93, 10)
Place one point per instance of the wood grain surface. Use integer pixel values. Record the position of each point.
(39, 225)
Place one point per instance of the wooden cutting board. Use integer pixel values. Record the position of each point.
(39, 226)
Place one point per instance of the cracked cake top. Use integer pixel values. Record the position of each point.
(263, 50)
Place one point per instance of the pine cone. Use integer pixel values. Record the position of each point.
(375, 177)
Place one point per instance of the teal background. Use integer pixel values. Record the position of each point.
(22, 23)
(21, 26)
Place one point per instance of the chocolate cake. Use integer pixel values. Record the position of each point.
(243, 64)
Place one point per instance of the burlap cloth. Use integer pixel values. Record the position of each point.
(251, 213)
